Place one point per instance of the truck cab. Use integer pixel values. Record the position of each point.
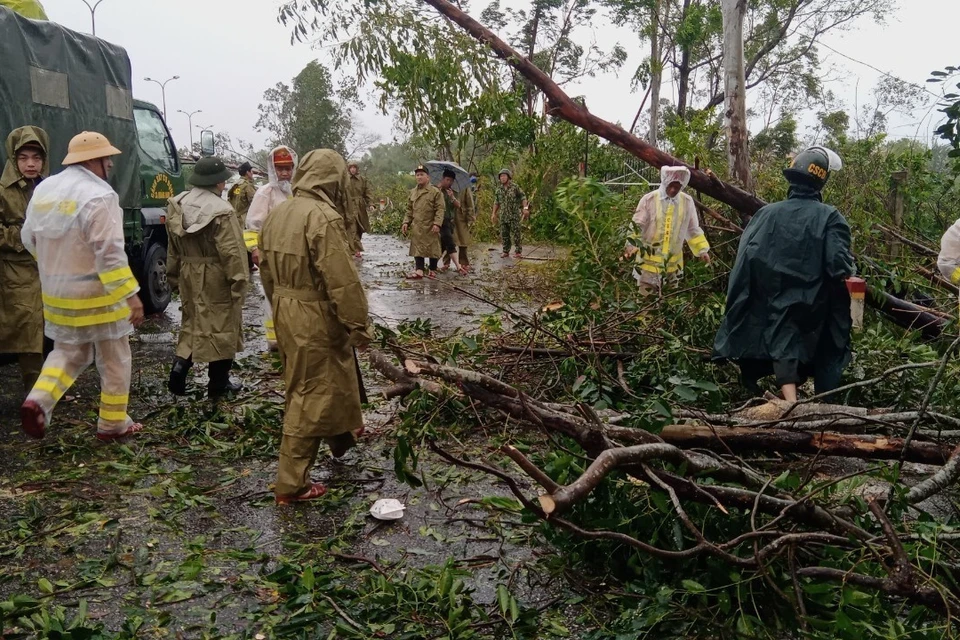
(161, 177)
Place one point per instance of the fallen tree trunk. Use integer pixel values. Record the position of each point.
(906, 314)
(742, 439)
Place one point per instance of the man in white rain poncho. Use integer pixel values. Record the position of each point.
(663, 221)
(74, 228)
(278, 189)
(949, 259)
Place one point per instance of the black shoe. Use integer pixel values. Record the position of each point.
(220, 382)
(222, 390)
(178, 377)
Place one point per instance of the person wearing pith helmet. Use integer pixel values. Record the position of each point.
(788, 307)
(207, 263)
(74, 229)
(509, 199)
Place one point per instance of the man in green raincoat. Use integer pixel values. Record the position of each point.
(320, 315)
(358, 201)
(788, 309)
(425, 211)
(21, 307)
(207, 262)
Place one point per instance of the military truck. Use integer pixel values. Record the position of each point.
(67, 82)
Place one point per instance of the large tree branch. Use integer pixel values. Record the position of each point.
(562, 106)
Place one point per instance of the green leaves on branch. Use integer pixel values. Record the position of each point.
(950, 106)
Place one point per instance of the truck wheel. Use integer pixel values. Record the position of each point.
(154, 289)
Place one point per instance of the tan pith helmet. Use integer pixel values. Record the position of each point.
(89, 145)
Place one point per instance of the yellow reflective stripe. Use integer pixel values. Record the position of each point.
(250, 238)
(106, 398)
(113, 416)
(116, 275)
(53, 388)
(699, 244)
(955, 276)
(77, 304)
(269, 324)
(57, 373)
(271, 335)
(651, 268)
(86, 321)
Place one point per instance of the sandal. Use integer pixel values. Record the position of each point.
(444, 268)
(432, 275)
(110, 436)
(32, 419)
(518, 255)
(505, 255)
(315, 491)
(463, 270)
(415, 275)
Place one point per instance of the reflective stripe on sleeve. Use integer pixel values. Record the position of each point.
(955, 276)
(251, 238)
(77, 304)
(117, 275)
(699, 244)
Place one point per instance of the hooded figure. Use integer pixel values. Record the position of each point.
(21, 307)
(206, 261)
(663, 221)
(278, 189)
(320, 310)
(74, 228)
(788, 309)
(358, 200)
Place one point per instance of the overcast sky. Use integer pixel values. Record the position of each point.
(227, 52)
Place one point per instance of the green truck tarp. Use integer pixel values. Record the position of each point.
(68, 82)
(27, 8)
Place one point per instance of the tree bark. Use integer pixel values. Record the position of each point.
(738, 151)
(656, 75)
(683, 71)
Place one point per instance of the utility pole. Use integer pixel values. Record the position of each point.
(93, 14)
(190, 115)
(163, 90)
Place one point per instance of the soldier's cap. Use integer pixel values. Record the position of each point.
(421, 169)
(209, 172)
(508, 173)
(282, 158)
(244, 168)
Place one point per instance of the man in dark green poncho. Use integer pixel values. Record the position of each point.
(788, 309)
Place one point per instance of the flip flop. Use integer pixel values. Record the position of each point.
(315, 491)
(109, 436)
(504, 255)
(518, 255)
(463, 271)
(33, 420)
(415, 275)
(432, 275)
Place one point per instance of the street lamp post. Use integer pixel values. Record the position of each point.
(93, 14)
(163, 91)
(190, 115)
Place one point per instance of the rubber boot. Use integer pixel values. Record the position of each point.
(178, 376)
(220, 382)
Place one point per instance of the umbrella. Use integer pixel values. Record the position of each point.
(437, 167)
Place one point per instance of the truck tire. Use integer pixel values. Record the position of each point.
(154, 289)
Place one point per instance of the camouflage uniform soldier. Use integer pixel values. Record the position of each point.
(510, 198)
(241, 194)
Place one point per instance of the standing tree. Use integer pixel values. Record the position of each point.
(734, 87)
(309, 114)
